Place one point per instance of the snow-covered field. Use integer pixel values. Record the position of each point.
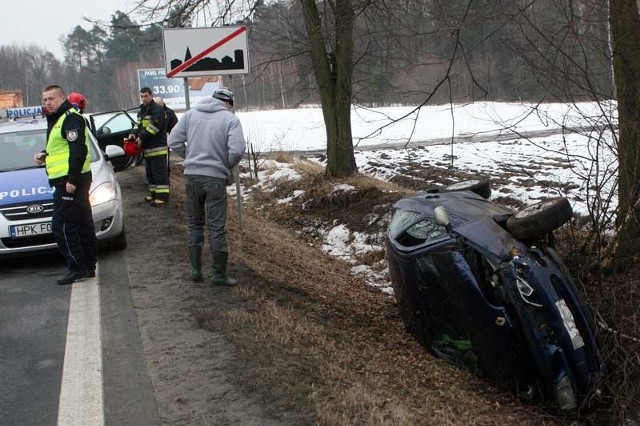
(575, 155)
(575, 162)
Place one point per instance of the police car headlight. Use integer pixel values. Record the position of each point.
(104, 193)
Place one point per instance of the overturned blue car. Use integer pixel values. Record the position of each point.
(477, 284)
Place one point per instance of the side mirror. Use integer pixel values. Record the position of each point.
(442, 218)
(103, 131)
(113, 151)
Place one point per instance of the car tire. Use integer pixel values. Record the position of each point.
(479, 186)
(120, 242)
(540, 218)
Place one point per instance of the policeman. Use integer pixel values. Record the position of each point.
(151, 135)
(67, 161)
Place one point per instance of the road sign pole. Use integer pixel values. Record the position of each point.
(186, 93)
(236, 175)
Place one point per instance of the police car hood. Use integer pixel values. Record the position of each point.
(29, 185)
(24, 186)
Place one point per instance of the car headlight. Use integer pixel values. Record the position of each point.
(103, 193)
(565, 398)
(526, 291)
(569, 324)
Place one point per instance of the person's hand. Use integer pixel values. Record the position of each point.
(139, 142)
(131, 137)
(39, 158)
(71, 188)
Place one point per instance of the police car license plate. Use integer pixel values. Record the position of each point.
(29, 230)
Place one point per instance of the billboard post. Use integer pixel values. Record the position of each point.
(197, 52)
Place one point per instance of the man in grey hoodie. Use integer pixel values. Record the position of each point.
(210, 139)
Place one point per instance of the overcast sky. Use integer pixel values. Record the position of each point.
(42, 22)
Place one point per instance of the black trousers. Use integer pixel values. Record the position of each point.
(72, 226)
(157, 171)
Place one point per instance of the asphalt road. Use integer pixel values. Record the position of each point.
(71, 354)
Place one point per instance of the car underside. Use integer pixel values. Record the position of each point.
(506, 308)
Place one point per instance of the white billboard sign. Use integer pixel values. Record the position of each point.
(171, 90)
(160, 84)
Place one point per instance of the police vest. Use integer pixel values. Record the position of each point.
(57, 162)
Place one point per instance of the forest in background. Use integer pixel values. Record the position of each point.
(416, 52)
(401, 56)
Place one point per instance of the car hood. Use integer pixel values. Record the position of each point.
(486, 236)
(27, 185)
(32, 185)
(102, 172)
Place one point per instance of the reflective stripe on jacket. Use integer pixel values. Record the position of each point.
(154, 152)
(151, 126)
(57, 161)
(147, 123)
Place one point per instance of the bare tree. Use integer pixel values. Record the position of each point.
(625, 30)
(329, 28)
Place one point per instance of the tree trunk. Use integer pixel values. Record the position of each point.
(625, 31)
(334, 71)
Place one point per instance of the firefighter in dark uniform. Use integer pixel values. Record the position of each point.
(151, 135)
(67, 161)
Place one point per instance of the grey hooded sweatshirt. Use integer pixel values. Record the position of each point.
(209, 138)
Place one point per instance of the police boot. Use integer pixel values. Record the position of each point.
(195, 257)
(219, 263)
(70, 276)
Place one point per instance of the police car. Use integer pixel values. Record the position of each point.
(26, 199)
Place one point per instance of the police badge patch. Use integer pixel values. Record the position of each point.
(72, 135)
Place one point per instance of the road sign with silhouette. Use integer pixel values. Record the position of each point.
(192, 52)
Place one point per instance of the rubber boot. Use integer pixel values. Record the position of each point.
(195, 257)
(219, 261)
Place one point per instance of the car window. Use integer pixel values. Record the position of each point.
(18, 148)
(417, 233)
(400, 220)
(426, 229)
(117, 122)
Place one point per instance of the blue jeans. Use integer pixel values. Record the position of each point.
(207, 202)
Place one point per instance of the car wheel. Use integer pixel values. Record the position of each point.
(540, 218)
(120, 243)
(480, 186)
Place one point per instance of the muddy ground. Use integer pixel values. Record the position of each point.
(300, 341)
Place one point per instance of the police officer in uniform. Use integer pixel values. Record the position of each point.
(151, 135)
(67, 161)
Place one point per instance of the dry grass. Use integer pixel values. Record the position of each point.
(309, 334)
(316, 338)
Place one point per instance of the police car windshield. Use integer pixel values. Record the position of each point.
(18, 148)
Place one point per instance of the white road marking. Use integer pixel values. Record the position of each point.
(81, 394)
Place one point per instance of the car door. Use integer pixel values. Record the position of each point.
(112, 128)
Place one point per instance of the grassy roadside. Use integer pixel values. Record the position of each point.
(315, 339)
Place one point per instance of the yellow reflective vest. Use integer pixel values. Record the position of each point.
(57, 161)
